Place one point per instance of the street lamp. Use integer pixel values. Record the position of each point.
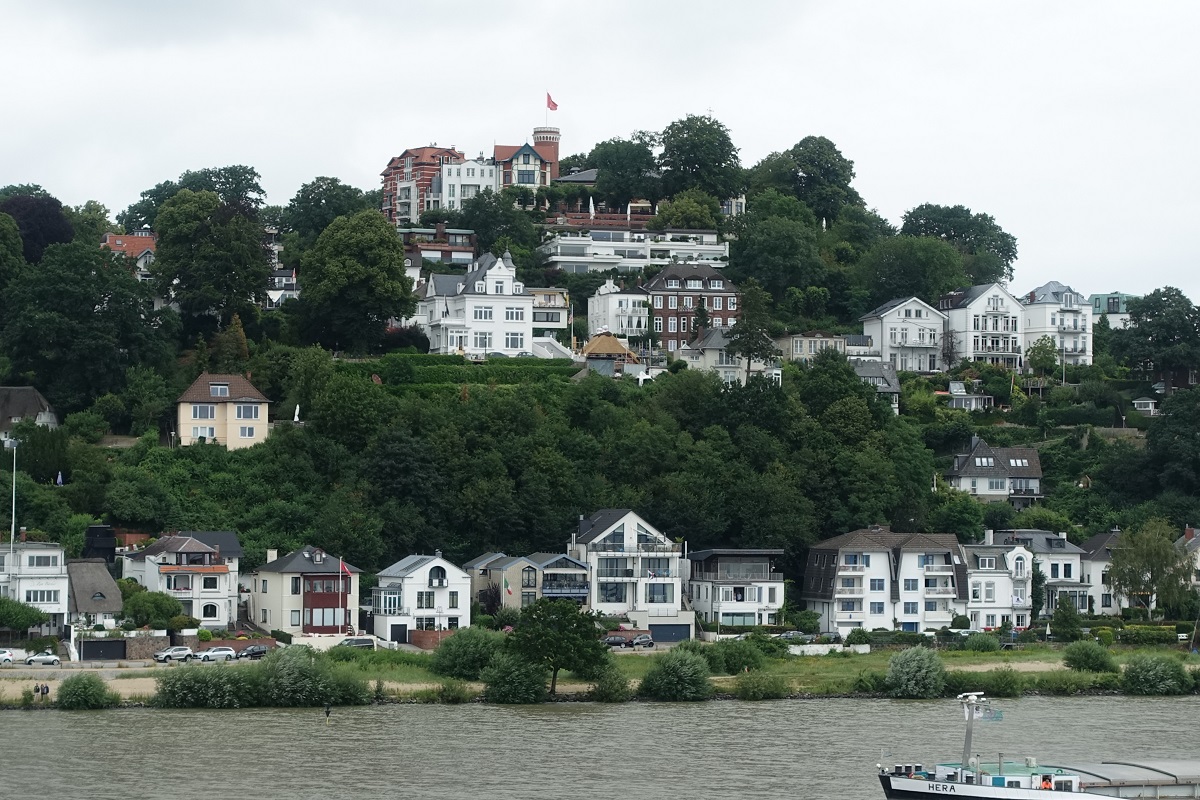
(12, 536)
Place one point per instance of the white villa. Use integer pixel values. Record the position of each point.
(1061, 313)
(35, 573)
(983, 323)
(908, 334)
(200, 575)
(487, 310)
(999, 578)
(420, 592)
(622, 312)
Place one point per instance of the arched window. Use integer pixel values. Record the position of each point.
(1019, 567)
(528, 578)
(437, 576)
(209, 611)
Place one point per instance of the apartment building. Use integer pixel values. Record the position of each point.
(631, 250)
(735, 586)
(1057, 311)
(1097, 556)
(1059, 560)
(908, 334)
(408, 181)
(519, 581)
(487, 310)
(306, 591)
(875, 578)
(635, 572)
(621, 311)
(999, 578)
(199, 575)
(678, 290)
(983, 323)
(804, 347)
(35, 573)
(1114, 305)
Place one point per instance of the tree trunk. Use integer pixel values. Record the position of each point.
(553, 680)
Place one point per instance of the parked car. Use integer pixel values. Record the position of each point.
(797, 636)
(6, 658)
(358, 641)
(525, 354)
(616, 640)
(215, 654)
(183, 654)
(497, 355)
(641, 640)
(44, 657)
(254, 652)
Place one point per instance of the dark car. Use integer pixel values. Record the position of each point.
(797, 636)
(616, 641)
(254, 652)
(358, 641)
(641, 640)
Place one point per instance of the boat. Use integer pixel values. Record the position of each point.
(1028, 780)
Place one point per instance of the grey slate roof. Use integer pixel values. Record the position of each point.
(91, 589)
(685, 270)
(480, 562)
(583, 176)
(1190, 540)
(963, 296)
(966, 464)
(174, 544)
(1038, 541)
(405, 566)
(713, 339)
(701, 555)
(540, 560)
(818, 580)
(1100, 545)
(595, 526)
(224, 541)
(302, 561)
(1051, 292)
(25, 402)
(887, 381)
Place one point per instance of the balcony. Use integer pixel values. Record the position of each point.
(737, 576)
(845, 617)
(939, 569)
(939, 616)
(628, 573)
(391, 611)
(1014, 492)
(565, 589)
(640, 547)
(850, 568)
(940, 591)
(847, 591)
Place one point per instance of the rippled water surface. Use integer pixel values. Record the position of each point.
(790, 749)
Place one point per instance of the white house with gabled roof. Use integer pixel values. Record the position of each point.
(999, 581)
(487, 310)
(635, 571)
(420, 592)
(983, 323)
(1057, 311)
(908, 334)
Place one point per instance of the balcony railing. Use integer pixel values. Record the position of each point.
(850, 616)
(940, 591)
(560, 589)
(850, 567)
(939, 569)
(847, 590)
(391, 611)
(1025, 492)
(939, 615)
(737, 575)
(640, 547)
(629, 573)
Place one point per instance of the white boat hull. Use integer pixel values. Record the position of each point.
(897, 787)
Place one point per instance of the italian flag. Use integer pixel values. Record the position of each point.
(507, 588)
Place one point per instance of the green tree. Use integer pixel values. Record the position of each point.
(18, 616)
(146, 398)
(1163, 337)
(958, 513)
(1173, 444)
(780, 253)
(1037, 591)
(354, 281)
(556, 635)
(210, 259)
(75, 323)
(145, 608)
(691, 210)
(129, 587)
(988, 251)
(907, 266)
(626, 171)
(697, 153)
(492, 216)
(1065, 626)
(1148, 569)
(1042, 356)
(823, 177)
(314, 207)
(776, 172)
(12, 252)
(90, 222)
(750, 338)
(230, 351)
(41, 222)
(237, 186)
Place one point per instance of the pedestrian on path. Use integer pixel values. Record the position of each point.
(45, 692)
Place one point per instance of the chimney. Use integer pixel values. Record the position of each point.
(989, 537)
(22, 533)
(272, 554)
(437, 553)
(1062, 535)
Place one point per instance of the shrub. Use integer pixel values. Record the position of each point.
(1134, 613)
(1065, 625)
(961, 622)
(1142, 635)
(85, 692)
(982, 643)
(282, 636)
(760, 686)
(1089, 657)
(1061, 682)
(909, 639)
(1104, 636)
(513, 681)
(869, 682)
(483, 621)
(858, 636)
(677, 676)
(1155, 675)
(204, 635)
(1184, 627)
(1027, 636)
(1005, 682)
(611, 686)
(26, 697)
(767, 645)
(505, 617)
(181, 621)
(736, 656)
(453, 692)
(466, 653)
(287, 677)
(916, 673)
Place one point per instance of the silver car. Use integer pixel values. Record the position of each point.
(6, 658)
(44, 657)
(183, 654)
(215, 654)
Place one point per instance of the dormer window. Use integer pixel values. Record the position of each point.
(518, 288)
(479, 287)
(716, 284)
(218, 390)
(672, 283)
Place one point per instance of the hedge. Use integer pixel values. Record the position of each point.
(1147, 635)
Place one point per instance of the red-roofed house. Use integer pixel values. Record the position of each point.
(531, 165)
(410, 176)
(138, 246)
(224, 409)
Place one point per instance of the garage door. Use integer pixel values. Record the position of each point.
(670, 633)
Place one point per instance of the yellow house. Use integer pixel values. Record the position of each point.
(225, 409)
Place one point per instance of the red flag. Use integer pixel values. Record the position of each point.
(550, 104)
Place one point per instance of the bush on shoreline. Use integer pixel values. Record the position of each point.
(679, 676)
(916, 673)
(510, 680)
(466, 654)
(1088, 656)
(85, 692)
(1155, 675)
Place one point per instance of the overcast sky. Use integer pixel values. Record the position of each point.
(1073, 124)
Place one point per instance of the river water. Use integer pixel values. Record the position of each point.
(805, 749)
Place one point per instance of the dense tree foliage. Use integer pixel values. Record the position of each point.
(1148, 568)
(988, 251)
(626, 171)
(697, 153)
(317, 204)
(237, 186)
(1163, 338)
(41, 222)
